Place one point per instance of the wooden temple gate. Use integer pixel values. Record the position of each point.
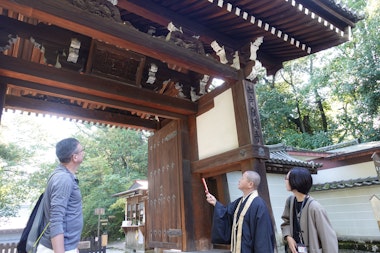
(179, 216)
(149, 65)
(165, 208)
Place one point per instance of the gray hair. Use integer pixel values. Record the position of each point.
(65, 149)
(254, 177)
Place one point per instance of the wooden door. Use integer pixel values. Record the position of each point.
(164, 177)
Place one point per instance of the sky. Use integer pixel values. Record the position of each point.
(57, 128)
(31, 129)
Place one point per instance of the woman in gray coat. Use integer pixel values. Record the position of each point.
(306, 227)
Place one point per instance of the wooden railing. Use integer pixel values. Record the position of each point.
(89, 245)
(8, 247)
(85, 246)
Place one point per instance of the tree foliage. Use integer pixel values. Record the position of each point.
(330, 96)
(12, 176)
(114, 158)
(356, 73)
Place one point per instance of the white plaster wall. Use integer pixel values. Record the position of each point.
(216, 129)
(360, 170)
(232, 182)
(350, 211)
(278, 195)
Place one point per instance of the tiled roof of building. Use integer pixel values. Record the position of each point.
(139, 184)
(280, 161)
(344, 10)
(136, 188)
(284, 157)
(346, 184)
(338, 146)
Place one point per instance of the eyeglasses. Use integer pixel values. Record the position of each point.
(80, 151)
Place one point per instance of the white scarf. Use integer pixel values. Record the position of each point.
(237, 226)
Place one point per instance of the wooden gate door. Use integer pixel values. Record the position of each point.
(165, 184)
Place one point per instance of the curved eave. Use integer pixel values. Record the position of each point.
(290, 29)
(281, 162)
(282, 25)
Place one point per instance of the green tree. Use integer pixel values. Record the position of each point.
(327, 97)
(12, 190)
(292, 109)
(114, 158)
(355, 75)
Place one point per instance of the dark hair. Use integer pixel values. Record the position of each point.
(65, 149)
(300, 179)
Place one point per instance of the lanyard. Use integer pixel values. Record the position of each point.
(298, 214)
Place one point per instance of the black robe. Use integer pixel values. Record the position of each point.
(257, 233)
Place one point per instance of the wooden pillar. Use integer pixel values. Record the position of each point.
(188, 233)
(249, 133)
(202, 212)
(3, 90)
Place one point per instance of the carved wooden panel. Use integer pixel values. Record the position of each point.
(253, 115)
(164, 207)
(117, 63)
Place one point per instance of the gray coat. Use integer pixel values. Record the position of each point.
(317, 232)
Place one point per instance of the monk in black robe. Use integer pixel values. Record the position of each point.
(245, 223)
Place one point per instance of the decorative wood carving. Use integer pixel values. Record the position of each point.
(6, 40)
(101, 8)
(3, 90)
(116, 63)
(253, 114)
(187, 41)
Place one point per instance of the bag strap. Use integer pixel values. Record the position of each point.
(42, 233)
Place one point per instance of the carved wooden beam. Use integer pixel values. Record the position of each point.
(147, 100)
(79, 113)
(229, 159)
(41, 31)
(3, 90)
(86, 98)
(64, 15)
(156, 13)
